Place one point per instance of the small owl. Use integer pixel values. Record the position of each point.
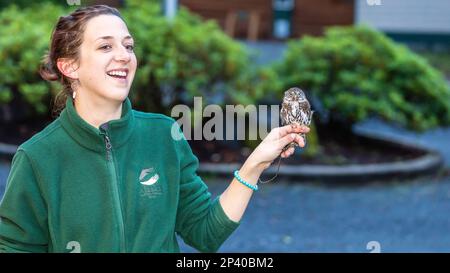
(295, 109)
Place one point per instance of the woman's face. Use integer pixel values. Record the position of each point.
(107, 62)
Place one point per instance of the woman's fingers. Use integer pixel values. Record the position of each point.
(280, 132)
(283, 136)
(291, 138)
(293, 128)
(300, 141)
(288, 152)
(286, 140)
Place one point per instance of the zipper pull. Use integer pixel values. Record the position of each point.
(108, 147)
(103, 129)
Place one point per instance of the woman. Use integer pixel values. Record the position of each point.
(105, 178)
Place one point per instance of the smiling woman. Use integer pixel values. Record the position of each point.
(105, 178)
(86, 44)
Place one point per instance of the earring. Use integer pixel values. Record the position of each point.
(74, 86)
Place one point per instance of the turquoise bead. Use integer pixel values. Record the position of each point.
(253, 187)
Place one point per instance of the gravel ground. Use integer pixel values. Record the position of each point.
(312, 217)
(288, 217)
(4, 170)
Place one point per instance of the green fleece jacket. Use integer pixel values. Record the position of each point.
(128, 186)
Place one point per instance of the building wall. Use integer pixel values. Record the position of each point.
(309, 16)
(312, 17)
(220, 9)
(406, 16)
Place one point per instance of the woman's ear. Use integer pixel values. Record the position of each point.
(67, 68)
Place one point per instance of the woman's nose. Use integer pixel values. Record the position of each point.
(122, 55)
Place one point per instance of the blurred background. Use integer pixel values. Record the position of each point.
(374, 176)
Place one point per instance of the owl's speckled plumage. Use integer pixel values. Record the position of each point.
(295, 109)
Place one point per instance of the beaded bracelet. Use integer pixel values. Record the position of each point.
(253, 187)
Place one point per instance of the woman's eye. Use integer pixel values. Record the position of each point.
(105, 47)
(130, 47)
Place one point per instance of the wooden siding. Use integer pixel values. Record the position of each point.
(309, 16)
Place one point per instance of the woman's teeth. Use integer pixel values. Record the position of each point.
(118, 74)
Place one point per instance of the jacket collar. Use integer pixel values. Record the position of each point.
(88, 136)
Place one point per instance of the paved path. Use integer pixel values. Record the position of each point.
(436, 139)
(266, 52)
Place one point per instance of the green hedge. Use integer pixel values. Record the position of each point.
(176, 60)
(181, 59)
(28, 3)
(357, 72)
(24, 38)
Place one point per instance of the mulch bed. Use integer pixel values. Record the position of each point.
(337, 148)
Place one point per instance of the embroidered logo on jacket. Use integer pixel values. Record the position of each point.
(149, 183)
(144, 174)
(74, 246)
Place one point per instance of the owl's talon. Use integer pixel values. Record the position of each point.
(290, 145)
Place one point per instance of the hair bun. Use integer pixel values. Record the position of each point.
(46, 70)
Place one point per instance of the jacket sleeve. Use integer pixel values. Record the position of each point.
(201, 223)
(23, 213)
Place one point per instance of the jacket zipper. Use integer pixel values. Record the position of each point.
(115, 187)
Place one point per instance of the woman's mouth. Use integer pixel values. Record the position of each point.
(118, 74)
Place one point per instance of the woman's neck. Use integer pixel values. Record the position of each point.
(97, 111)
